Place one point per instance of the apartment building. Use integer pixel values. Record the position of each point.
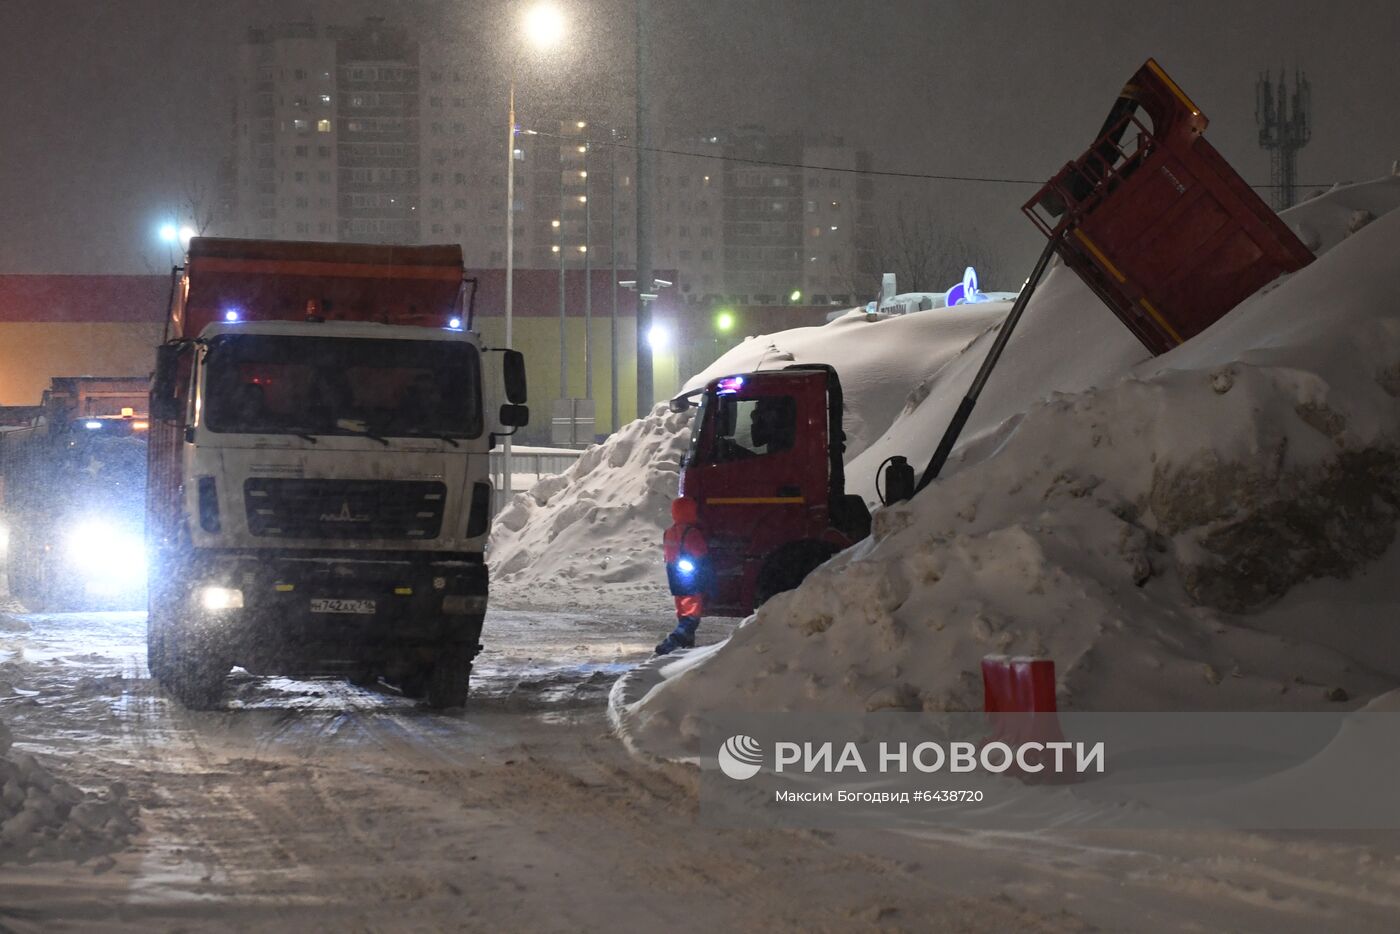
(364, 132)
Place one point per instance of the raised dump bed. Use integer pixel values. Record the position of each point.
(1157, 223)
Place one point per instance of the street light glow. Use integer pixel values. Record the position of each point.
(796, 295)
(187, 233)
(724, 321)
(659, 337)
(544, 26)
(169, 233)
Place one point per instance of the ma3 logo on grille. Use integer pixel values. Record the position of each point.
(345, 515)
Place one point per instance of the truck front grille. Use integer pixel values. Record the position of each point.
(344, 509)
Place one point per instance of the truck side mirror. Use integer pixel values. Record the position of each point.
(679, 404)
(164, 404)
(515, 416)
(513, 369)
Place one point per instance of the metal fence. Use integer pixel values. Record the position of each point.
(527, 465)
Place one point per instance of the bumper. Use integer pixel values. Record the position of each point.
(297, 611)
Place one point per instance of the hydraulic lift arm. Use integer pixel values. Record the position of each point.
(960, 417)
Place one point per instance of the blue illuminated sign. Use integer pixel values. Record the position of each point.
(966, 291)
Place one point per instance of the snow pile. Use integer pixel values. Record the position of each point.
(45, 818)
(878, 360)
(1116, 513)
(591, 536)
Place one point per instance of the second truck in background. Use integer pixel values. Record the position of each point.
(72, 494)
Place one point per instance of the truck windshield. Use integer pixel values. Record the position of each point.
(273, 384)
(744, 428)
(105, 467)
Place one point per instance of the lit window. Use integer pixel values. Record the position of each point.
(583, 248)
(555, 248)
(323, 126)
(325, 98)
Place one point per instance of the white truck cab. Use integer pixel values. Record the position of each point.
(318, 503)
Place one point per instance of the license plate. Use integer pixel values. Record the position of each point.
(332, 605)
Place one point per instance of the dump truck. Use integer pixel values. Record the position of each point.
(318, 493)
(1151, 217)
(72, 494)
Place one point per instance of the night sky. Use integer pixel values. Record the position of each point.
(111, 106)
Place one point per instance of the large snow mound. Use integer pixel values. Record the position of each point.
(591, 536)
(43, 818)
(1135, 519)
(878, 360)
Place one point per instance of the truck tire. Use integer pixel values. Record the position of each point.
(363, 677)
(22, 575)
(789, 567)
(450, 677)
(192, 671)
(155, 648)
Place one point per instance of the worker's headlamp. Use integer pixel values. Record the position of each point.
(687, 575)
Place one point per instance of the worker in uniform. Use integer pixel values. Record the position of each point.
(688, 610)
(689, 607)
(772, 425)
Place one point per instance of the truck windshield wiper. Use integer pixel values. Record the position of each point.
(302, 434)
(358, 427)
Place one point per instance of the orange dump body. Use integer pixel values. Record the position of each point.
(1157, 223)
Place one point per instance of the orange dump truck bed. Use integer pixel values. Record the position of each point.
(266, 280)
(1157, 223)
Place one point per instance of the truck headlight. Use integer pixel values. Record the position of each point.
(221, 598)
(102, 551)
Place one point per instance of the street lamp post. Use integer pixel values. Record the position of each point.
(543, 27)
(563, 305)
(612, 254)
(587, 278)
(645, 287)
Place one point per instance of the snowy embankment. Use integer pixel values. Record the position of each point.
(590, 537)
(1209, 529)
(45, 818)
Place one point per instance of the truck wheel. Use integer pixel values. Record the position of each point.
(448, 682)
(23, 577)
(194, 673)
(789, 567)
(155, 648)
(363, 677)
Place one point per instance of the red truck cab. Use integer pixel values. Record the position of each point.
(762, 498)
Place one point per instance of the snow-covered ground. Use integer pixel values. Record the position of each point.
(312, 805)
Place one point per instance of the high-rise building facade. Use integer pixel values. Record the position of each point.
(367, 133)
